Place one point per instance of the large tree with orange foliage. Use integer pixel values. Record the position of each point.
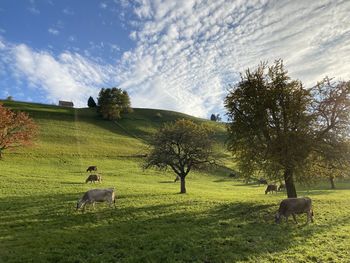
(16, 129)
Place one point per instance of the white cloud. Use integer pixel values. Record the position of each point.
(2, 45)
(133, 35)
(103, 5)
(68, 11)
(72, 38)
(189, 51)
(68, 76)
(34, 10)
(53, 31)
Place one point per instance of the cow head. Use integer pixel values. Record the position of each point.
(278, 218)
(80, 204)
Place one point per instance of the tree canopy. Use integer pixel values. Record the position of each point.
(279, 127)
(91, 102)
(181, 145)
(16, 129)
(112, 102)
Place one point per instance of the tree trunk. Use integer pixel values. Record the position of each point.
(183, 186)
(288, 179)
(331, 179)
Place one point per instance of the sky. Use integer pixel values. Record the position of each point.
(180, 55)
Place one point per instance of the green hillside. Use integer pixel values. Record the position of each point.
(219, 220)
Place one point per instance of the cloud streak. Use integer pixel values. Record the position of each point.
(191, 50)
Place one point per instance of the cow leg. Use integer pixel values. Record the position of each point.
(295, 219)
(312, 216)
(309, 217)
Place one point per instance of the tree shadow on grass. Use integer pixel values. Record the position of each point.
(73, 183)
(166, 182)
(49, 227)
(223, 180)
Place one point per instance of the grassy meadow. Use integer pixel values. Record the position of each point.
(220, 219)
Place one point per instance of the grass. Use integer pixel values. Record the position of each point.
(219, 220)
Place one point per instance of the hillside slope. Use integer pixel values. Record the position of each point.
(219, 220)
(82, 132)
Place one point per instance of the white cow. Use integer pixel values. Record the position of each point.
(97, 195)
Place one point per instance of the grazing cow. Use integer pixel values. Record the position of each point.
(271, 188)
(91, 168)
(281, 187)
(177, 179)
(233, 175)
(94, 178)
(292, 206)
(97, 195)
(262, 181)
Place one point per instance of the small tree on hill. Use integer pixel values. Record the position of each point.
(278, 127)
(216, 117)
(16, 129)
(91, 102)
(182, 145)
(112, 102)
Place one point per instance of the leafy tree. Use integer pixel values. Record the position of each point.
(215, 117)
(278, 127)
(16, 129)
(331, 106)
(91, 102)
(182, 145)
(112, 102)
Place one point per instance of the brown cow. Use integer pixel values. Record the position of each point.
(91, 168)
(271, 188)
(94, 178)
(262, 181)
(281, 187)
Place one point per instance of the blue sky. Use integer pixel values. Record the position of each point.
(173, 54)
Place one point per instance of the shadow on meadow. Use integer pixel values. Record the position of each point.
(180, 230)
(166, 182)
